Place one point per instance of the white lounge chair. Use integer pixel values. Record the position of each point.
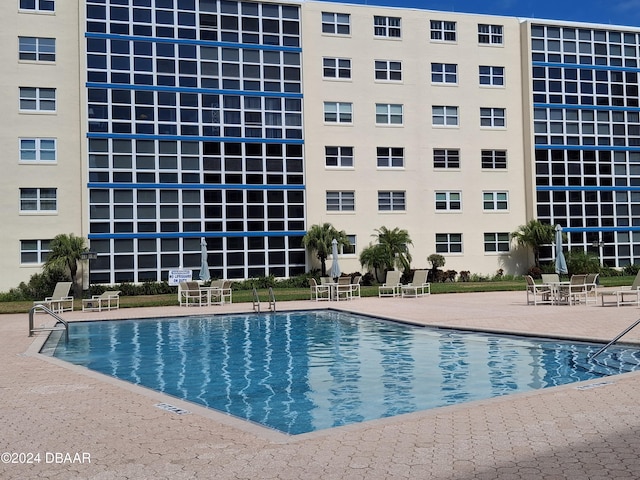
(391, 285)
(624, 295)
(419, 286)
(109, 300)
(60, 300)
(343, 289)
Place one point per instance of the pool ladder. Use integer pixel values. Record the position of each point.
(618, 337)
(32, 329)
(256, 300)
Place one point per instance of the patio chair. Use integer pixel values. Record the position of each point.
(632, 294)
(591, 285)
(575, 292)
(319, 292)
(60, 300)
(355, 286)
(391, 285)
(419, 286)
(537, 294)
(190, 294)
(550, 278)
(343, 289)
(109, 300)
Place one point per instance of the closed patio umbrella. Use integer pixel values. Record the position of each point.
(335, 267)
(561, 263)
(204, 265)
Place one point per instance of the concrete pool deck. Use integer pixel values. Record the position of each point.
(86, 425)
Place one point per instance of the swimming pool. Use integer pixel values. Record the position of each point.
(299, 372)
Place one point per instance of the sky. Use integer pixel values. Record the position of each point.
(613, 12)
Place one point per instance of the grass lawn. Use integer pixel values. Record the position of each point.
(285, 294)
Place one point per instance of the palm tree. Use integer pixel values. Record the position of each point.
(534, 235)
(390, 251)
(318, 239)
(396, 243)
(65, 251)
(375, 258)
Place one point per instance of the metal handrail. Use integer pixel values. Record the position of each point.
(272, 300)
(256, 301)
(53, 314)
(620, 335)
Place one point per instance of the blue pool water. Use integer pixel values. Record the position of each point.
(299, 372)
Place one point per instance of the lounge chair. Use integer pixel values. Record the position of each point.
(319, 292)
(624, 295)
(190, 294)
(391, 285)
(109, 300)
(537, 294)
(60, 300)
(418, 287)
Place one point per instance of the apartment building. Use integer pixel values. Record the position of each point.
(414, 119)
(42, 182)
(147, 125)
(584, 121)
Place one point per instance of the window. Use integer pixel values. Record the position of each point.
(336, 23)
(444, 73)
(349, 249)
(386, 26)
(37, 49)
(448, 201)
(38, 200)
(496, 242)
(391, 201)
(446, 158)
(443, 31)
(336, 67)
(38, 99)
(491, 75)
(388, 70)
(339, 201)
(495, 200)
(448, 243)
(34, 251)
(490, 34)
(492, 117)
(37, 149)
(444, 115)
(338, 157)
(494, 159)
(390, 157)
(388, 114)
(336, 112)
(38, 5)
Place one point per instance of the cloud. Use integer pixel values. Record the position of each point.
(627, 6)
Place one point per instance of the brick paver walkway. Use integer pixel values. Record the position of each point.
(87, 426)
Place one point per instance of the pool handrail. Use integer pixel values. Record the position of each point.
(46, 309)
(618, 337)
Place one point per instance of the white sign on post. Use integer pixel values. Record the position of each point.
(177, 276)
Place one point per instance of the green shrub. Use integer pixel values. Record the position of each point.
(580, 262)
(631, 270)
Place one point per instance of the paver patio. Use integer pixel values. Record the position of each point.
(52, 408)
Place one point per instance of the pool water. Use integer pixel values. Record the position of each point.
(299, 372)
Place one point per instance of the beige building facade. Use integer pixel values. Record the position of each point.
(42, 183)
(424, 90)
